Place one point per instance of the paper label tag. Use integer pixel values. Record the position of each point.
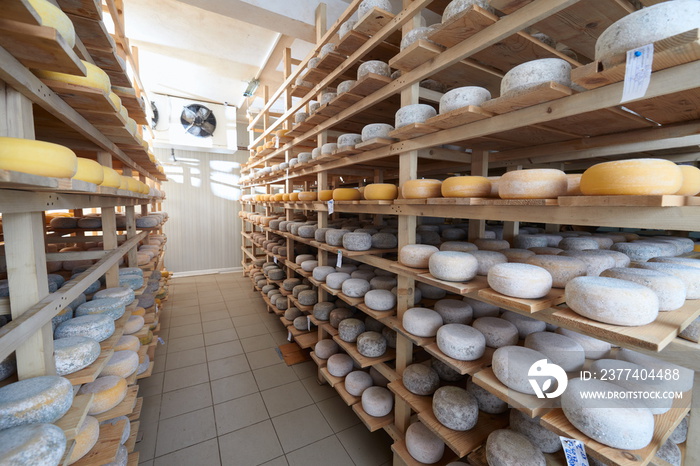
(308, 323)
(289, 336)
(331, 206)
(339, 261)
(277, 142)
(638, 72)
(275, 259)
(574, 451)
(161, 341)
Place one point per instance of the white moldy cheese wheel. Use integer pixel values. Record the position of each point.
(416, 255)
(497, 332)
(561, 268)
(559, 349)
(128, 342)
(109, 392)
(689, 275)
(33, 444)
(422, 322)
(421, 189)
(122, 364)
(453, 266)
(35, 400)
(506, 447)
(595, 264)
(466, 186)
(488, 244)
(592, 347)
(669, 289)
(75, 353)
(538, 183)
(133, 325)
(632, 177)
(612, 301)
(520, 280)
(488, 259)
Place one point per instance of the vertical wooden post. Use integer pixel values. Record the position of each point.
(511, 229)
(480, 167)
(130, 211)
(109, 228)
(321, 22)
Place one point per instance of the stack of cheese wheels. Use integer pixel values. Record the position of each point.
(52, 16)
(346, 194)
(381, 192)
(35, 400)
(632, 177)
(96, 78)
(466, 186)
(37, 158)
(538, 183)
(421, 189)
(89, 171)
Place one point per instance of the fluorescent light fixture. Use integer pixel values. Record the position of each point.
(252, 87)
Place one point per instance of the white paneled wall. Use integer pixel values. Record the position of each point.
(202, 202)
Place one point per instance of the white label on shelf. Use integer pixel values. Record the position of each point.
(275, 260)
(339, 261)
(637, 72)
(575, 452)
(289, 336)
(277, 142)
(308, 323)
(331, 206)
(161, 341)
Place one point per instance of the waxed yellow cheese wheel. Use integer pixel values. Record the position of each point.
(293, 197)
(691, 181)
(632, 177)
(573, 185)
(96, 78)
(90, 171)
(281, 133)
(52, 16)
(259, 149)
(124, 183)
(346, 194)
(37, 158)
(325, 195)
(132, 184)
(381, 192)
(116, 101)
(466, 186)
(421, 189)
(124, 113)
(285, 197)
(112, 179)
(279, 197)
(536, 183)
(307, 196)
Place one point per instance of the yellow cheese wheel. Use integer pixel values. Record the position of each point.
(691, 181)
(346, 194)
(381, 192)
(536, 183)
(421, 189)
(573, 185)
(90, 171)
(124, 183)
(124, 113)
(632, 177)
(131, 126)
(96, 78)
(307, 196)
(325, 195)
(281, 133)
(279, 197)
(112, 179)
(269, 144)
(109, 392)
(258, 197)
(127, 342)
(37, 158)
(285, 197)
(116, 101)
(86, 438)
(143, 188)
(495, 181)
(293, 197)
(132, 184)
(52, 16)
(466, 186)
(259, 149)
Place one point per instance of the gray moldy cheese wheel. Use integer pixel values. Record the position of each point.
(123, 294)
(335, 280)
(669, 289)
(99, 327)
(687, 261)
(461, 342)
(455, 408)
(350, 329)
(525, 325)
(307, 231)
(324, 349)
(357, 382)
(682, 384)
(371, 344)
(453, 266)
(423, 445)
(487, 244)
(308, 297)
(615, 422)
(639, 252)
(72, 354)
(323, 310)
(668, 248)
(43, 399)
(276, 274)
(363, 274)
(592, 347)
(290, 283)
(304, 257)
(454, 311)
(338, 315)
(612, 301)
(546, 251)
(517, 255)
(422, 322)
(339, 364)
(298, 289)
(377, 401)
(420, 379)
(430, 291)
(355, 287)
(357, 241)
(301, 323)
(384, 241)
(689, 275)
(381, 282)
(453, 234)
(416, 255)
(320, 273)
(309, 266)
(595, 263)
(559, 349)
(497, 332)
(334, 237)
(561, 268)
(380, 300)
(546, 440)
(292, 313)
(111, 307)
(621, 260)
(461, 246)
(390, 336)
(487, 259)
(488, 402)
(530, 241)
(509, 448)
(577, 243)
(445, 372)
(482, 309)
(34, 444)
(520, 280)
(511, 365)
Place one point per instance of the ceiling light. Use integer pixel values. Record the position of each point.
(252, 87)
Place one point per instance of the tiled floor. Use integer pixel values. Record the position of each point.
(221, 395)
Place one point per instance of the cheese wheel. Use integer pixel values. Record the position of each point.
(573, 185)
(346, 194)
(87, 436)
(416, 255)
(111, 178)
(128, 342)
(123, 295)
(561, 268)
(109, 392)
(107, 306)
(35, 400)
(421, 189)
(37, 158)
(122, 364)
(612, 301)
(536, 183)
(74, 353)
(117, 102)
(466, 186)
(632, 177)
(98, 326)
(133, 325)
(689, 275)
(123, 183)
(325, 195)
(34, 444)
(307, 196)
(669, 289)
(381, 192)
(279, 197)
(124, 113)
(691, 181)
(520, 280)
(52, 16)
(294, 197)
(96, 78)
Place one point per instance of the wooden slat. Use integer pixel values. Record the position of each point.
(628, 201)
(528, 404)
(372, 423)
(462, 26)
(124, 408)
(91, 9)
(362, 360)
(400, 450)
(91, 372)
(463, 443)
(74, 418)
(458, 117)
(93, 33)
(544, 92)
(347, 397)
(553, 298)
(105, 450)
(463, 367)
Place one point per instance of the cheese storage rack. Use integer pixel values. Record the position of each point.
(89, 124)
(552, 127)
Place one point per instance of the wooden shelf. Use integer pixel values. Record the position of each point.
(463, 367)
(418, 403)
(148, 371)
(372, 423)
(399, 449)
(553, 298)
(105, 450)
(91, 372)
(133, 434)
(321, 363)
(331, 379)
(379, 315)
(528, 404)
(124, 408)
(364, 361)
(347, 397)
(74, 418)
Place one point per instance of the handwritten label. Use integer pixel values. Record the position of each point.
(161, 341)
(289, 336)
(637, 72)
(331, 206)
(308, 323)
(275, 259)
(339, 261)
(574, 451)
(277, 142)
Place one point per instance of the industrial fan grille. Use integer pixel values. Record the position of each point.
(198, 120)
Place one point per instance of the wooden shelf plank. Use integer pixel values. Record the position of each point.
(133, 459)
(418, 403)
(414, 130)
(372, 423)
(400, 450)
(379, 315)
(458, 117)
(87, 8)
(462, 26)
(463, 367)
(136, 413)
(528, 404)
(373, 21)
(124, 408)
(319, 362)
(331, 379)
(368, 84)
(307, 340)
(362, 360)
(74, 418)
(91, 372)
(82, 97)
(148, 371)
(628, 201)
(133, 433)
(374, 143)
(476, 284)
(105, 450)
(463, 443)
(347, 397)
(555, 297)
(544, 92)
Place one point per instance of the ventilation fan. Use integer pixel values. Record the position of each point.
(198, 120)
(155, 118)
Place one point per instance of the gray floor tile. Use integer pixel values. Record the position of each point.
(185, 430)
(185, 330)
(186, 358)
(243, 321)
(317, 391)
(294, 434)
(215, 315)
(184, 311)
(201, 454)
(228, 366)
(224, 350)
(185, 377)
(339, 415)
(185, 343)
(232, 387)
(320, 453)
(365, 447)
(274, 376)
(305, 369)
(184, 320)
(147, 446)
(150, 410)
(212, 307)
(257, 343)
(263, 358)
(152, 385)
(159, 365)
(281, 461)
(239, 413)
(185, 400)
(250, 446)
(216, 325)
(280, 337)
(220, 336)
(286, 398)
(251, 330)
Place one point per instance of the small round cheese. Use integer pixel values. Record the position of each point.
(35, 400)
(377, 401)
(346, 194)
(371, 344)
(454, 311)
(455, 408)
(497, 332)
(506, 447)
(452, 266)
(421, 189)
(422, 322)
(561, 268)
(416, 255)
(669, 289)
(324, 349)
(595, 263)
(109, 391)
(357, 241)
(111, 307)
(511, 365)
(520, 280)
(340, 364)
(489, 244)
(537, 183)
(414, 113)
(525, 325)
(559, 349)
(632, 177)
(689, 275)
(461, 342)
(466, 186)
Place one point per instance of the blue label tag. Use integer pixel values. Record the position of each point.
(575, 452)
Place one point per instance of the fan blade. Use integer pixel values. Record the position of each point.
(203, 112)
(188, 115)
(196, 131)
(208, 127)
